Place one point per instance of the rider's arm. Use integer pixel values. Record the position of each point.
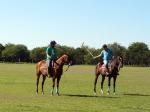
(97, 56)
(48, 56)
(101, 54)
(48, 53)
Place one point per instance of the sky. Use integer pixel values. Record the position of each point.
(35, 23)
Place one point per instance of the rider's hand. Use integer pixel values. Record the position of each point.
(94, 57)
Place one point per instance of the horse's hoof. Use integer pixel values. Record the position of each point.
(36, 93)
(49, 76)
(58, 94)
(94, 93)
(114, 93)
(102, 92)
(42, 93)
(52, 94)
(108, 93)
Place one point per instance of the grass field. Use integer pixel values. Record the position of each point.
(17, 91)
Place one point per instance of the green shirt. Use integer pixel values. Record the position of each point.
(51, 53)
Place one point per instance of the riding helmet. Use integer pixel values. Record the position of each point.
(53, 43)
(104, 46)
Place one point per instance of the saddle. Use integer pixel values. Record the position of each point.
(50, 70)
(105, 68)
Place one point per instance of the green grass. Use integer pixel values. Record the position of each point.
(17, 91)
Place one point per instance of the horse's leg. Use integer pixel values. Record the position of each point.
(37, 83)
(57, 88)
(102, 82)
(109, 79)
(115, 77)
(44, 77)
(95, 82)
(53, 86)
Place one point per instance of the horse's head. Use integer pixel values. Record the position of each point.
(120, 58)
(66, 59)
(115, 64)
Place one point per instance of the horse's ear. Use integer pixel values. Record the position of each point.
(120, 58)
(65, 57)
(69, 57)
(113, 57)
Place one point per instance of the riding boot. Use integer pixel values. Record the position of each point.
(107, 71)
(107, 74)
(49, 72)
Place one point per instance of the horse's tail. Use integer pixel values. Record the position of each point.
(38, 69)
(40, 66)
(97, 69)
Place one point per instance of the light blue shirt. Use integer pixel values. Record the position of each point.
(106, 54)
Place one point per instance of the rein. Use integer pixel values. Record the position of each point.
(115, 63)
(67, 67)
(63, 63)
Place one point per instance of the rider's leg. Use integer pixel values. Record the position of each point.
(48, 64)
(106, 66)
(49, 67)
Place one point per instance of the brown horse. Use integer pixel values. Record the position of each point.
(114, 66)
(41, 69)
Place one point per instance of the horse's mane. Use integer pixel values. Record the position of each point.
(116, 58)
(115, 62)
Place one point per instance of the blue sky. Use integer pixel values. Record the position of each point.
(70, 22)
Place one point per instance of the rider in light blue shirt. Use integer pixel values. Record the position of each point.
(106, 55)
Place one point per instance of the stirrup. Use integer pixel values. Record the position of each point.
(49, 76)
(107, 74)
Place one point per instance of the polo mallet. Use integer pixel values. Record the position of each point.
(87, 50)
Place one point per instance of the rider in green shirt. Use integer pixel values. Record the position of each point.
(51, 54)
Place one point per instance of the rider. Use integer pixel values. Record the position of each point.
(51, 54)
(106, 55)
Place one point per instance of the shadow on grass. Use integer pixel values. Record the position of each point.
(135, 94)
(89, 96)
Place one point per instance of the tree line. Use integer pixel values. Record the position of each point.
(137, 53)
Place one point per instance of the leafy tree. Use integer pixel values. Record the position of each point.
(89, 59)
(117, 49)
(38, 54)
(137, 53)
(15, 52)
(1, 49)
(78, 56)
(65, 50)
(21, 52)
(8, 53)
